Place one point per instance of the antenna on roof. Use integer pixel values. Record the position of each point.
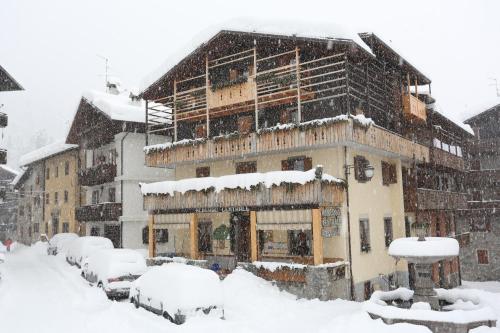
(106, 60)
(497, 87)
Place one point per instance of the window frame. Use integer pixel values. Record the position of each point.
(364, 235)
(483, 257)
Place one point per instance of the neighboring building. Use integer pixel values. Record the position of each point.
(480, 223)
(435, 190)
(29, 187)
(7, 83)
(8, 203)
(43, 208)
(247, 115)
(109, 129)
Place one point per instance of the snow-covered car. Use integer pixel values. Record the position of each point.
(178, 291)
(82, 247)
(59, 243)
(114, 270)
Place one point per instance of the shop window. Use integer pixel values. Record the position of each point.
(299, 243)
(482, 257)
(389, 174)
(246, 167)
(205, 237)
(388, 231)
(364, 235)
(66, 196)
(111, 194)
(202, 172)
(66, 168)
(65, 227)
(299, 163)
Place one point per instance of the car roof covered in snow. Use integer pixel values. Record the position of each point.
(108, 263)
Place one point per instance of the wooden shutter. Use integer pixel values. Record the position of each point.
(360, 162)
(307, 163)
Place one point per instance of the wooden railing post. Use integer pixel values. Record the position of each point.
(175, 110)
(253, 236)
(207, 82)
(151, 237)
(297, 74)
(193, 236)
(317, 237)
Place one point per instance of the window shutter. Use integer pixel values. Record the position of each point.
(359, 165)
(285, 165)
(307, 163)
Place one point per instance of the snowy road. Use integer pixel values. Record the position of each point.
(39, 293)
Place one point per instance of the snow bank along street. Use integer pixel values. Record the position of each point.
(40, 293)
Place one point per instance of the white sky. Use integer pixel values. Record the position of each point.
(51, 47)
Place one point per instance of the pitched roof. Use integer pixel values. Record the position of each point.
(487, 110)
(7, 82)
(280, 28)
(45, 152)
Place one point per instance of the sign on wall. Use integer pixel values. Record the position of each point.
(331, 221)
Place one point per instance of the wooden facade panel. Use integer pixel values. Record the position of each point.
(443, 158)
(432, 199)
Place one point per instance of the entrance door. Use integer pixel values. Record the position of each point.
(113, 232)
(240, 227)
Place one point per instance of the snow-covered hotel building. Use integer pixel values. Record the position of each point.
(109, 130)
(288, 153)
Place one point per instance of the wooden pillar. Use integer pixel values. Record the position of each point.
(207, 82)
(317, 238)
(175, 110)
(297, 74)
(253, 236)
(193, 236)
(255, 88)
(416, 87)
(151, 237)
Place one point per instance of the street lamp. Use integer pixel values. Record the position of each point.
(367, 170)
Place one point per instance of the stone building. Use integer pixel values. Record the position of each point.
(479, 224)
(8, 203)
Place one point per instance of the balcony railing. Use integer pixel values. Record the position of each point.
(3, 156)
(109, 211)
(444, 158)
(287, 138)
(413, 107)
(310, 194)
(99, 174)
(433, 199)
(3, 120)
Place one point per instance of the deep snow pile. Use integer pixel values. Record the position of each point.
(431, 247)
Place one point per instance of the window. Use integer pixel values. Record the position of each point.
(57, 171)
(364, 235)
(56, 198)
(94, 231)
(389, 175)
(66, 168)
(202, 172)
(388, 231)
(246, 167)
(205, 236)
(112, 194)
(482, 257)
(66, 195)
(47, 198)
(360, 165)
(95, 197)
(21, 210)
(65, 227)
(145, 235)
(36, 227)
(161, 235)
(46, 228)
(47, 176)
(299, 242)
(298, 163)
(37, 179)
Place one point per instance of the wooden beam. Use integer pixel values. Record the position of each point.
(175, 110)
(256, 101)
(151, 237)
(253, 236)
(317, 238)
(193, 236)
(207, 81)
(297, 74)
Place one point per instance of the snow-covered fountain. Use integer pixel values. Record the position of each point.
(441, 310)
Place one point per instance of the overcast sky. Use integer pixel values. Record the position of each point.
(51, 47)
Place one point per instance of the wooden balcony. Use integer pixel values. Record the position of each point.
(446, 159)
(293, 138)
(3, 120)
(3, 156)
(414, 108)
(311, 194)
(99, 174)
(432, 199)
(108, 211)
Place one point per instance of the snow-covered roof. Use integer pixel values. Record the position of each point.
(45, 152)
(481, 108)
(18, 177)
(315, 30)
(466, 127)
(243, 181)
(10, 170)
(116, 107)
